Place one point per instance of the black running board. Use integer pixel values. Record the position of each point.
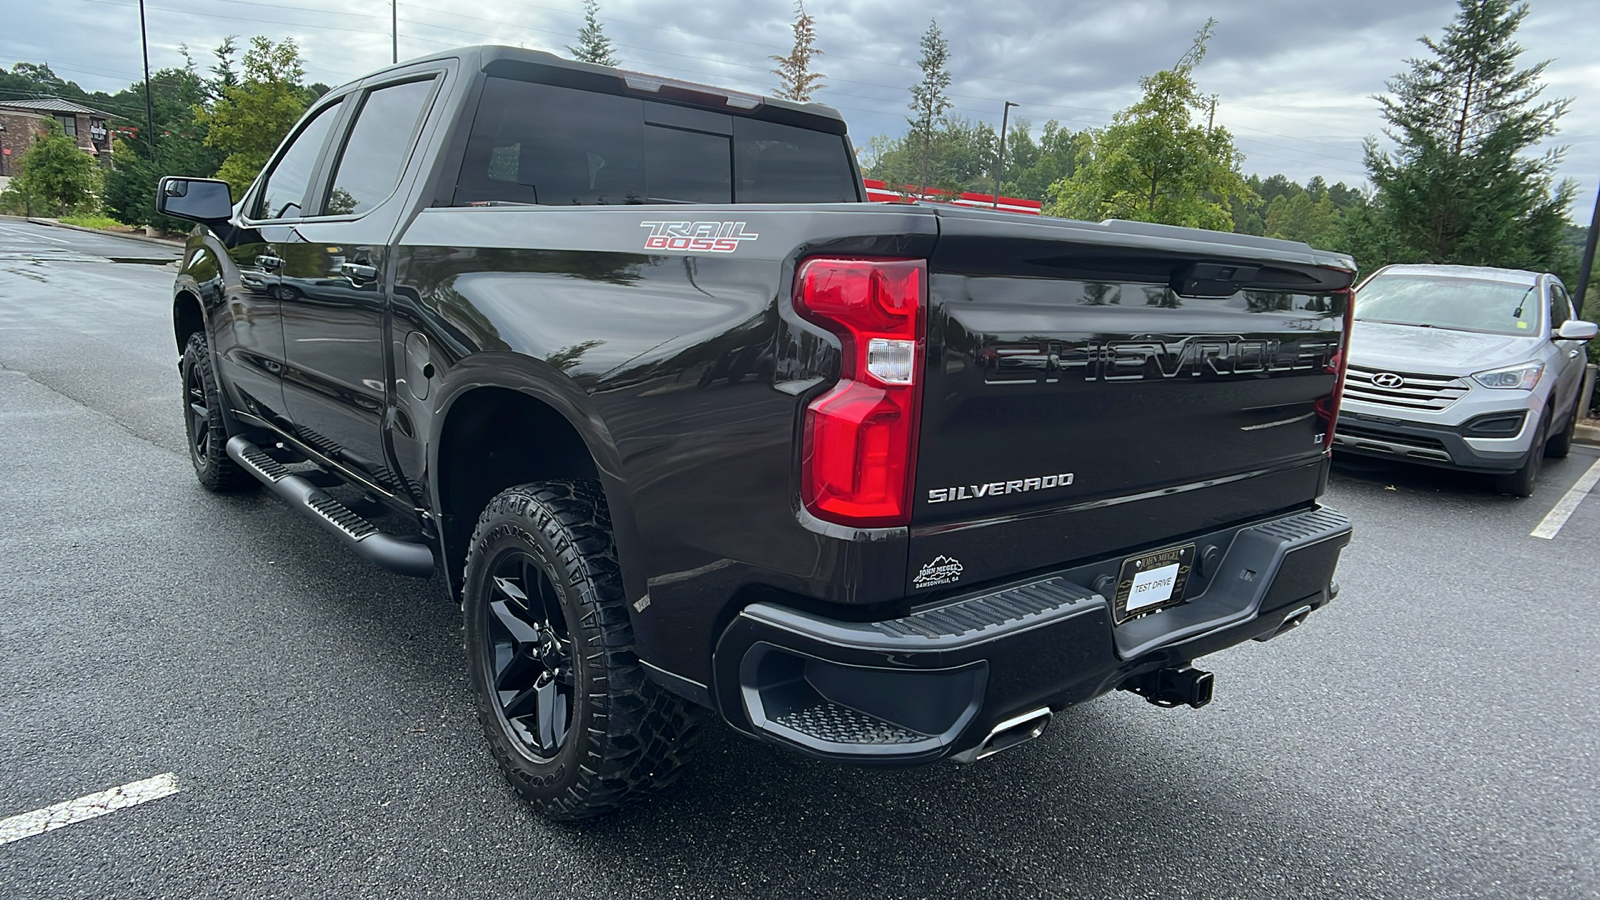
(388, 551)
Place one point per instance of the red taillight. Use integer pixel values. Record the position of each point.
(1328, 407)
(858, 454)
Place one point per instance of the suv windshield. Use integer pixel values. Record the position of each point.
(556, 146)
(1462, 304)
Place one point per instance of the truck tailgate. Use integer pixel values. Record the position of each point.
(1077, 405)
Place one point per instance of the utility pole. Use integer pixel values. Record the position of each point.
(149, 114)
(1587, 266)
(1000, 168)
(394, 30)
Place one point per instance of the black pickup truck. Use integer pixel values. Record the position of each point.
(691, 429)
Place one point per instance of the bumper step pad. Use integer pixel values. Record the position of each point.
(835, 724)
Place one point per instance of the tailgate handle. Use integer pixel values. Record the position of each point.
(1210, 279)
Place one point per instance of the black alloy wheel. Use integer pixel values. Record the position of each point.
(572, 719)
(206, 430)
(529, 653)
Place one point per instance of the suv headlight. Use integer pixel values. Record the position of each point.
(1523, 376)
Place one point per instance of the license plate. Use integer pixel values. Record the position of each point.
(1152, 581)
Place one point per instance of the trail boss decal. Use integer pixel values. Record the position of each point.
(696, 237)
(997, 488)
(943, 570)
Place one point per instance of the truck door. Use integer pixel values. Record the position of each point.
(332, 289)
(249, 340)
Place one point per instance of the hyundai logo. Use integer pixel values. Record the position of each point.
(1388, 380)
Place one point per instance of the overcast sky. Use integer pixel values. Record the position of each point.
(1295, 77)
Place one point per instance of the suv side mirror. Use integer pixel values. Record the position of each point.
(203, 200)
(1576, 330)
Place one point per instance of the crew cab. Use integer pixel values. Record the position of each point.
(692, 431)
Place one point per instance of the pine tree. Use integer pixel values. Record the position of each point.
(223, 74)
(593, 45)
(928, 98)
(794, 70)
(1460, 186)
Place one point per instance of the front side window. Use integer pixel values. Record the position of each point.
(1560, 306)
(1462, 304)
(285, 188)
(379, 145)
(556, 146)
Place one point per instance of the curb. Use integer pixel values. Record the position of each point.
(160, 242)
(1586, 434)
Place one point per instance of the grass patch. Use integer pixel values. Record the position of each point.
(103, 222)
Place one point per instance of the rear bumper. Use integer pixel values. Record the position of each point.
(935, 683)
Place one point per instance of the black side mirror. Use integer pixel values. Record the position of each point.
(204, 200)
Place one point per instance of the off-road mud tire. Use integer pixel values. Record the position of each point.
(627, 736)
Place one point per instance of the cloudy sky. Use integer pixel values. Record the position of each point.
(1295, 77)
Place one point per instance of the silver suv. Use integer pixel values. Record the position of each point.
(1471, 368)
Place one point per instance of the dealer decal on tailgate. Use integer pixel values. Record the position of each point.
(696, 237)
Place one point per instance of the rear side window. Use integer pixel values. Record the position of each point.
(379, 145)
(285, 188)
(555, 146)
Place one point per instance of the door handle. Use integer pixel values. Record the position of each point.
(1572, 354)
(357, 272)
(269, 262)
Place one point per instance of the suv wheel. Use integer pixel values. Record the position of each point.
(203, 423)
(1561, 444)
(570, 715)
(1522, 482)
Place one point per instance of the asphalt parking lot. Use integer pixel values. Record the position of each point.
(1433, 733)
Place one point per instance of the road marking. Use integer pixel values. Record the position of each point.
(33, 235)
(1568, 504)
(73, 811)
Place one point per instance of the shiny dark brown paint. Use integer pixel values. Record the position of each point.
(680, 381)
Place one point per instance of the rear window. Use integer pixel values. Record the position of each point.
(556, 146)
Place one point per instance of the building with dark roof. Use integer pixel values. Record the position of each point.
(21, 120)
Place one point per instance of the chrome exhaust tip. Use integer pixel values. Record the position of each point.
(1007, 734)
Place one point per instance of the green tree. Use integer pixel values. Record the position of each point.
(1461, 185)
(593, 45)
(131, 182)
(1300, 218)
(958, 156)
(929, 99)
(54, 175)
(1159, 160)
(253, 116)
(1032, 166)
(797, 81)
(225, 74)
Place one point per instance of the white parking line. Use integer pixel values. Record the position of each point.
(34, 235)
(73, 811)
(1564, 508)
